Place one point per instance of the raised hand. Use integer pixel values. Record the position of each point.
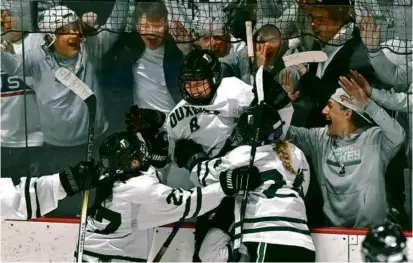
(144, 120)
(357, 95)
(265, 52)
(90, 19)
(369, 31)
(6, 46)
(361, 81)
(179, 32)
(287, 84)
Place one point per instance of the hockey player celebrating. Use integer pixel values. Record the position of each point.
(275, 225)
(384, 243)
(209, 110)
(210, 106)
(130, 199)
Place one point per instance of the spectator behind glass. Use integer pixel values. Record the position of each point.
(19, 111)
(63, 115)
(269, 48)
(336, 35)
(395, 70)
(151, 60)
(350, 157)
(391, 68)
(211, 32)
(395, 185)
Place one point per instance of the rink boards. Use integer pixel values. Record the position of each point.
(54, 239)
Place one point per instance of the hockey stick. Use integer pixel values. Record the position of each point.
(304, 57)
(250, 49)
(168, 241)
(72, 82)
(256, 122)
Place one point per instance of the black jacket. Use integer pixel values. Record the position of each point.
(353, 55)
(129, 49)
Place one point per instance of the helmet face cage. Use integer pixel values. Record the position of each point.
(200, 66)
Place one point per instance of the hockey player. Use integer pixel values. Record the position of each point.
(210, 106)
(384, 243)
(275, 225)
(209, 110)
(130, 199)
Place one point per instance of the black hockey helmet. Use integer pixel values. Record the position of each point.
(119, 149)
(384, 243)
(272, 127)
(200, 65)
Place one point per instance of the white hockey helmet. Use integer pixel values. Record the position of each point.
(55, 18)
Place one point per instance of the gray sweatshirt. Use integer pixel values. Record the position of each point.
(401, 102)
(64, 116)
(390, 72)
(358, 197)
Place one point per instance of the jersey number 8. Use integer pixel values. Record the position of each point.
(193, 124)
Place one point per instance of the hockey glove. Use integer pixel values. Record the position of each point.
(188, 153)
(83, 176)
(244, 132)
(158, 148)
(274, 94)
(144, 120)
(243, 178)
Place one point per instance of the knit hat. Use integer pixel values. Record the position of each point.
(55, 18)
(357, 109)
(210, 20)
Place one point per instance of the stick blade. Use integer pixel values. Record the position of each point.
(71, 81)
(304, 57)
(259, 84)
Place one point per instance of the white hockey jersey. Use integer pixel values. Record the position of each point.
(273, 215)
(211, 125)
(123, 228)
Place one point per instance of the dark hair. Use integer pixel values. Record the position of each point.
(268, 31)
(339, 13)
(356, 119)
(155, 10)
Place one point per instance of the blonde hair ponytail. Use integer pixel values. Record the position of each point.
(283, 149)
